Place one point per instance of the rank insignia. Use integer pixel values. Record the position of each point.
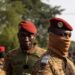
(60, 24)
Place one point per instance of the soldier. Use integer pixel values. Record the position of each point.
(20, 61)
(2, 61)
(55, 61)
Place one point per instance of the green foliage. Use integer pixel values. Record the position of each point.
(34, 10)
(12, 14)
(12, 19)
(8, 38)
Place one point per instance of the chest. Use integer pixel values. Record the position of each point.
(23, 63)
(58, 66)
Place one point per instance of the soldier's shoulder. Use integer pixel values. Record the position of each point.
(45, 58)
(39, 48)
(42, 62)
(12, 52)
(40, 51)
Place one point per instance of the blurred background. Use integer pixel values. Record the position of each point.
(38, 11)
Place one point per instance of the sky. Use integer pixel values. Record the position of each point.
(68, 14)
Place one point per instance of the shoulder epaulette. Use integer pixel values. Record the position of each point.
(12, 52)
(45, 59)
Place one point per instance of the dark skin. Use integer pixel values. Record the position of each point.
(26, 40)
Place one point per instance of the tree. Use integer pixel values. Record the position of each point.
(34, 10)
(12, 14)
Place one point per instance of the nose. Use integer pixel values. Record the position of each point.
(67, 36)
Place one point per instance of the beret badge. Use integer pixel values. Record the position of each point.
(60, 24)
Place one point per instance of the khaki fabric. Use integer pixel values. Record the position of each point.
(19, 63)
(2, 67)
(54, 65)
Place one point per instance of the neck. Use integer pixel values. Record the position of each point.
(30, 51)
(57, 52)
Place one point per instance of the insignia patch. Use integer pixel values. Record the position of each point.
(45, 59)
(60, 24)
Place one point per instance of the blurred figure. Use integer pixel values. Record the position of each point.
(20, 61)
(2, 60)
(55, 61)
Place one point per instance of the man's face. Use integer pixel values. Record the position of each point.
(26, 40)
(60, 40)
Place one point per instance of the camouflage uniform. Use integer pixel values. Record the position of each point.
(50, 64)
(2, 61)
(2, 67)
(19, 63)
(56, 61)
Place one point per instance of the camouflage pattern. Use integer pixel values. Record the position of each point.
(19, 63)
(51, 64)
(2, 67)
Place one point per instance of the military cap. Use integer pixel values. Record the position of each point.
(2, 51)
(28, 26)
(58, 23)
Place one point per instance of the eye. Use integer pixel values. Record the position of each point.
(67, 34)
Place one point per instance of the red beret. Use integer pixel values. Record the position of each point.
(60, 24)
(2, 49)
(28, 26)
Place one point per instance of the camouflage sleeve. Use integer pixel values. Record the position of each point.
(41, 69)
(8, 62)
(2, 67)
(8, 66)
